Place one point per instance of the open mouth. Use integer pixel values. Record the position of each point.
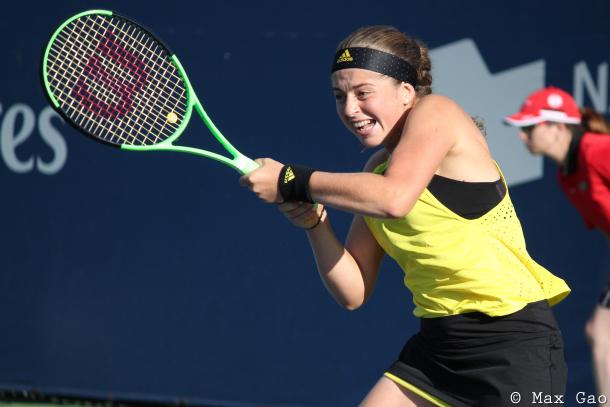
(363, 125)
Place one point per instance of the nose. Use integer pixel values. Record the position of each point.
(351, 107)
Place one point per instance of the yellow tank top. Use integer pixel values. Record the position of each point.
(454, 265)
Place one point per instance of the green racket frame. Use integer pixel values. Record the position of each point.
(239, 162)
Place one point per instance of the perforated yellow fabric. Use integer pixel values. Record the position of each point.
(454, 265)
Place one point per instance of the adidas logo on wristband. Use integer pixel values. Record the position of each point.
(289, 175)
(293, 183)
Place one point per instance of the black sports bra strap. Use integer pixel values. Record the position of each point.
(469, 200)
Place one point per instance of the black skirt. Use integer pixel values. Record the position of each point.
(476, 360)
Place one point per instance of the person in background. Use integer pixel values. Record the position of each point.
(551, 124)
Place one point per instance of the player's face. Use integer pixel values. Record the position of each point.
(372, 106)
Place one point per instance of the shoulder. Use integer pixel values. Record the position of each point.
(595, 149)
(378, 157)
(596, 146)
(436, 114)
(437, 103)
(437, 109)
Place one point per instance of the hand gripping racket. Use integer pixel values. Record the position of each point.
(113, 80)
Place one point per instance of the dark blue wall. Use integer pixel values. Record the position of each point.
(156, 276)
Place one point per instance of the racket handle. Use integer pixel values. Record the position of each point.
(245, 165)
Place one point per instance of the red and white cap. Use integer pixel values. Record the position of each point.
(548, 104)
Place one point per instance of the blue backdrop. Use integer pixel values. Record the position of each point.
(155, 276)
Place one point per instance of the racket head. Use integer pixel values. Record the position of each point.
(115, 81)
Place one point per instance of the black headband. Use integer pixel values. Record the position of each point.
(377, 61)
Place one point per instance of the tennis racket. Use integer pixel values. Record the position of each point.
(115, 81)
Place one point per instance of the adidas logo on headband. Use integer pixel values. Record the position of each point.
(345, 57)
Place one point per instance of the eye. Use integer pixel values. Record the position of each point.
(363, 94)
(339, 97)
(528, 130)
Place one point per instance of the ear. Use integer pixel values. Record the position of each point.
(408, 93)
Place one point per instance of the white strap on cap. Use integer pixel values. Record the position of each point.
(543, 116)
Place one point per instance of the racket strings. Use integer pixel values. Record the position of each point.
(102, 94)
(147, 110)
(128, 123)
(149, 105)
(99, 90)
(154, 102)
(76, 51)
(116, 82)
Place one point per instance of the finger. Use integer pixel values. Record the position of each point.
(309, 220)
(300, 212)
(305, 216)
(301, 207)
(291, 211)
(288, 206)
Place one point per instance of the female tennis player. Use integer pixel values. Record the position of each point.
(578, 140)
(434, 200)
